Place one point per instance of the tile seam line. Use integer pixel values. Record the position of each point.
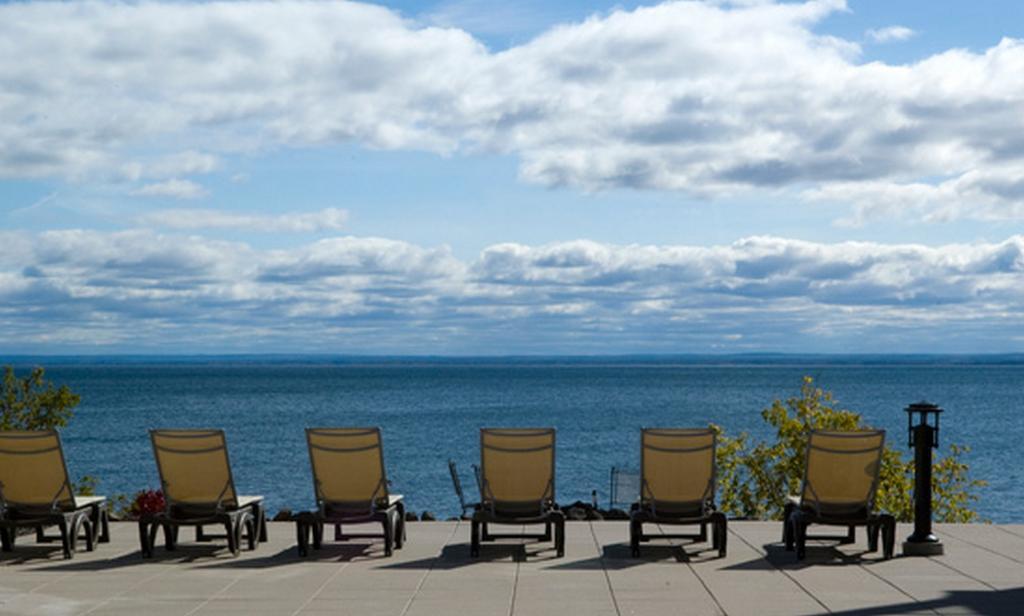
(423, 578)
(66, 576)
(220, 592)
(963, 573)
(707, 589)
(983, 548)
(764, 555)
(515, 578)
(897, 588)
(107, 601)
(604, 568)
(1008, 531)
(320, 589)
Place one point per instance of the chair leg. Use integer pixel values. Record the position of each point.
(153, 530)
(96, 515)
(851, 536)
(547, 532)
(560, 536)
(232, 531)
(339, 535)
(720, 528)
(787, 536)
(635, 532)
(389, 533)
(251, 533)
(90, 534)
(144, 543)
(302, 531)
(67, 537)
(873, 528)
(40, 534)
(170, 537)
(318, 535)
(259, 514)
(888, 536)
(801, 539)
(702, 537)
(7, 539)
(104, 526)
(400, 526)
(799, 531)
(474, 538)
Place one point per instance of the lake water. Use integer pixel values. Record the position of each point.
(431, 411)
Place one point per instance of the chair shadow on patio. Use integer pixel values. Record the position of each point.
(456, 556)
(31, 553)
(819, 554)
(186, 554)
(618, 557)
(330, 553)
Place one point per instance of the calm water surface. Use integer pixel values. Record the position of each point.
(432, 412)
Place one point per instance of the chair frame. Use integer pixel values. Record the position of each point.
(90, 516)
(249, 515)
(310, 524)
(798, 515)
(704, 512)
(487, 511)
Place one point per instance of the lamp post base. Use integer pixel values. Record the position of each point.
(930, 546)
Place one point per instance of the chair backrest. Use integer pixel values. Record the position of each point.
(32, 471)
(517, 469)
(677, 469)
(841, 474)
(348, 468)
(194, 468)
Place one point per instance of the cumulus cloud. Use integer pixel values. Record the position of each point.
(74, 289)
(890, 34)
(329, 219)
(175, 188)
(993, 194)
(710, 99)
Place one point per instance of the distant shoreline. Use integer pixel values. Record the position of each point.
(667, 360)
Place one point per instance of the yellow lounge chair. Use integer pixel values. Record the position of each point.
(517, 484)
(677, 486)
(840, 481)
(351, 488)
(199, 490)
(35, 492)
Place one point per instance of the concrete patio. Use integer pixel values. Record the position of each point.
(981, 573)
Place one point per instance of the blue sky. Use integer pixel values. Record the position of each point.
(479, 177)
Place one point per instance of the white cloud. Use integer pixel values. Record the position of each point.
(67, 290)
(890, 34)
(176, 188)
(706, 98)
(993, 194)
(329, 219)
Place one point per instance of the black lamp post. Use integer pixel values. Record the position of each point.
(924, 436)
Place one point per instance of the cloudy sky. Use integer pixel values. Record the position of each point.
(487, 177)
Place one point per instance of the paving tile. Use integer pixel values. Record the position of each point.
(980, 573)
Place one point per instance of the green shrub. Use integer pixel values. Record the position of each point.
(754, 478)
(32, 403)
